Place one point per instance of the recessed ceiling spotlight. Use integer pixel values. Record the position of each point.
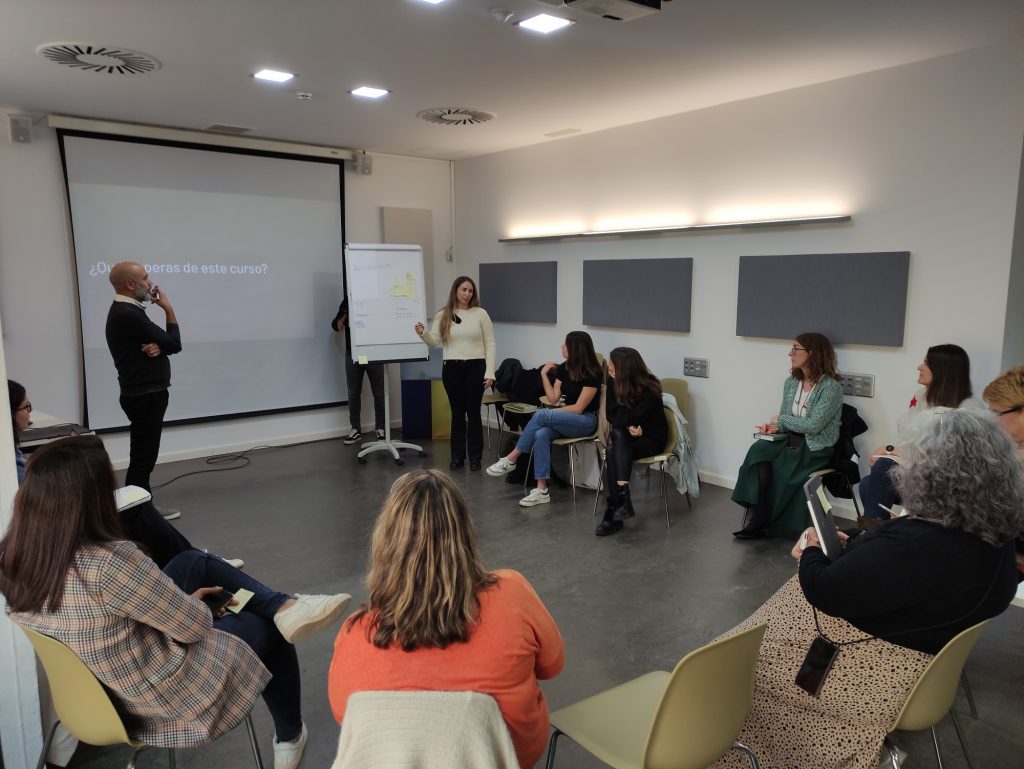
(433, 2)
(273, 76)
(545, 23)
(369, 92)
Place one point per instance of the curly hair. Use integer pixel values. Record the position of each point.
(823, 361)
(959, 469)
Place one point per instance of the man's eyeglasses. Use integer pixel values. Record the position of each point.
(1009, 411)
(26, 407)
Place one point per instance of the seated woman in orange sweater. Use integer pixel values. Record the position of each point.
(437, 620)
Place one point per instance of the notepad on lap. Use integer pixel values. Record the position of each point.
(130, 496)
(821, 517)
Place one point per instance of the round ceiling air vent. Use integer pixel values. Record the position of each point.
(99, 58)
(454, 116)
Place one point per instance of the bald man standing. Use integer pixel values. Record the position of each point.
(140, 348)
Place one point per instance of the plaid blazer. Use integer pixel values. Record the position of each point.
(175, 680)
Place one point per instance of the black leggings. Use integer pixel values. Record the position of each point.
(622, 450)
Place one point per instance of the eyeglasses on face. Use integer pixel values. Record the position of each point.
(1009, 411)
(795, 348)
(26, 407)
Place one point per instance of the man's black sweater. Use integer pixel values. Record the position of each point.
(128, 328)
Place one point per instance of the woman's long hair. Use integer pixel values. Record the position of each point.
(632, 377)
(823, 361)
(951, 375)
(65, 502)
(581, 362)
(448, 313)
(424, 569)
(16, 394)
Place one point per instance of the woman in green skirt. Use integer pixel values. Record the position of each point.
(796, 443)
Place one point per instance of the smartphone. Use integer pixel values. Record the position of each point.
(218, 601)
(817, 664)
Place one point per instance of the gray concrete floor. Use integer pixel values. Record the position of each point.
(627, 604)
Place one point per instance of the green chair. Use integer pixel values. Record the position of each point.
(933, 694)
(686, 719)
(83, 705)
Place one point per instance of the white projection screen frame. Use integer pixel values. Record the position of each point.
(249, 249)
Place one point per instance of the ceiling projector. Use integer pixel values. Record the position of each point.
(616, 10)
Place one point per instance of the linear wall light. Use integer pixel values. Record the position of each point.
(684, 229)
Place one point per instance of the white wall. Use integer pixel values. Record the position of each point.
(38, 298)
(925, 157)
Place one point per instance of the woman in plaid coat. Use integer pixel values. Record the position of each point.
(179, 674)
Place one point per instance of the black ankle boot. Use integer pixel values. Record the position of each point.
(755, 527)
(625, 508)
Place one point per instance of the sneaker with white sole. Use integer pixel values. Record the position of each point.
(352, 437)
(288, 755)
(535, 497)
(238, 563)
(501, 467)
(380, 434)
(310, 614)
(169, 513)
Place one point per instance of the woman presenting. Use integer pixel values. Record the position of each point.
(463, 328)
(772, 476)
(638, 429)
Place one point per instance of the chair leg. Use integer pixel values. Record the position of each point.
(550, 763)
(46, 745)
(572, 471)
(600, 480)
(968, 693)
(526, 476)
(664, 496)
(935, 742)
(252, 742)
(172, 759)
(135, 755)
(737, 745)
(960, 736)
(894, 755)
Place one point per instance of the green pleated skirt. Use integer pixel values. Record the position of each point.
(790, 468)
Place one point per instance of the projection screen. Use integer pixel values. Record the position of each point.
(248, 248)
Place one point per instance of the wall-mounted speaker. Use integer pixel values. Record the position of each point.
(20, 128)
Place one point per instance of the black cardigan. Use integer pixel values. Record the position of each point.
(911, 582)
(647, 413)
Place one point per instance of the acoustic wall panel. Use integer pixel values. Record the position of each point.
(520, 292)
(851, 298)
(651, 294)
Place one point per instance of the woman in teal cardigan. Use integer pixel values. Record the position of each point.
(803, 435)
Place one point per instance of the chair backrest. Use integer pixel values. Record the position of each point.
(932, 695)
(678, 389)
(81, 702)
(417, 728)
(673, 433)
(705, 703)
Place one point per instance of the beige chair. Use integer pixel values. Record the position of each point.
(678, 389)
(686, 719)
(662, 459)
(493, 399)
(933, 694)
(83, 705)
(424, 729)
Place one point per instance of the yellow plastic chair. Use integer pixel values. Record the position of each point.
(83, 705)
(933, 694)
(678, 389)
(663, 459)
(686, 719)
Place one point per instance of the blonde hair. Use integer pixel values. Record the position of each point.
(1007, 389)
(424, 570)
(448, 311)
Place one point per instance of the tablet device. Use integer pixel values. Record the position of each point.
(821, 516)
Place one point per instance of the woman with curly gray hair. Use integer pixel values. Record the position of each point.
(896, 596)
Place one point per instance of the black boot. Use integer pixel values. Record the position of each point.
(755, 527)
(625, 508)
(613, 500)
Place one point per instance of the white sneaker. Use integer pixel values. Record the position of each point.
(380, 435)
(535, 497)
(501, 467)
(238, 563)
(352, 437)
(288, 755)
(310, 614)
(169, 513)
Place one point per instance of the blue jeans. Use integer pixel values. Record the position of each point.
(544, 427)
(877, 489)
(192, 570)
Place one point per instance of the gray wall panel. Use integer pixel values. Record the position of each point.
(520, 292)
(851, 298)
(651, 294)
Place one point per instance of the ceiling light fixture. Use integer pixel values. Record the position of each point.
(545, 23)
(369, 92)
(433, 2)
(683, 229)
(273, 75)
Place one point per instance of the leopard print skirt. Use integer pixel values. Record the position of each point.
(843, 727)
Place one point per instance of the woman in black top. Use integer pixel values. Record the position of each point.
(638, 429)
(578, 380)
